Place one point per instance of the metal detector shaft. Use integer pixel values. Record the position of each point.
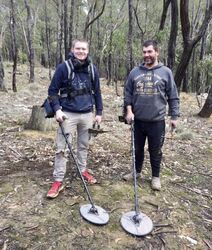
(134, 169)
(93, 209)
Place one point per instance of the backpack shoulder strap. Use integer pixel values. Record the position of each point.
(70, 68)
(91, 72)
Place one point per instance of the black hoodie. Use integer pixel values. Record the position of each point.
(149, 90)
(80, 103)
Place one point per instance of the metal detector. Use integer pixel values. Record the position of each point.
(135, 222)
(89, 212)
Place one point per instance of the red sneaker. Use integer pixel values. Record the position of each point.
(88, 177)
(56, 188)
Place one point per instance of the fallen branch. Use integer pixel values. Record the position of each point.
(195, 202)
(195, 191)
(163, 225)
(205, 174)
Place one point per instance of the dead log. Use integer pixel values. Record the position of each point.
(38, 121)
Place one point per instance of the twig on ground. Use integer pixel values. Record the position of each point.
(153, 204)
(15, 151)
(116, 208)
(162, 239)
(31, 227)
(208, 244)
(165, 232)
(5, 228)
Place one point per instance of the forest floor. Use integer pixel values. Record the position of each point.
(181, 212)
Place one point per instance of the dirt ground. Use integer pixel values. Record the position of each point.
(181, 212)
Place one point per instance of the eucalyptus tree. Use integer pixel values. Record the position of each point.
(110, 50)
(112, 30)
(200, 56)
(189, 42)
(93, 15)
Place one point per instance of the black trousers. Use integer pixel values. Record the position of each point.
(155, 134)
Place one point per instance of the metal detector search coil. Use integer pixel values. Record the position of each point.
(136, 224)
(99, 217)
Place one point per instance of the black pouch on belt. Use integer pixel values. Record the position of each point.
(49, 112)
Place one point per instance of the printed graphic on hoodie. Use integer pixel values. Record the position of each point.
(146, 84)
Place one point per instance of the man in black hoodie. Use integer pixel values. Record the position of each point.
(73, 92)
(148, 89)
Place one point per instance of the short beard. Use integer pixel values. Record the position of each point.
(149, 61)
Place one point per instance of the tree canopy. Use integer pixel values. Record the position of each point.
(42, 34)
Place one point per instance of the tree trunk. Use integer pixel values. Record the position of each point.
(47, 33)
(30, 40)
(2, 85)
(201, 56)
(65, 20)
(173, 34)
(130, 37)
(164, 13)
(43, 60)
(77, 18)
(71, 23)
(59, 57)
(99, 44)
(14, 43)
(109, 73)
(38, 121)
(206, 110)
(185, 82)
(182, 66)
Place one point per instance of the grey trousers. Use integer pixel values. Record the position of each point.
(79, 123)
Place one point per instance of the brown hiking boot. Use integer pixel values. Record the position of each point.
(156, 185)
(55, 189)
(129, 177)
